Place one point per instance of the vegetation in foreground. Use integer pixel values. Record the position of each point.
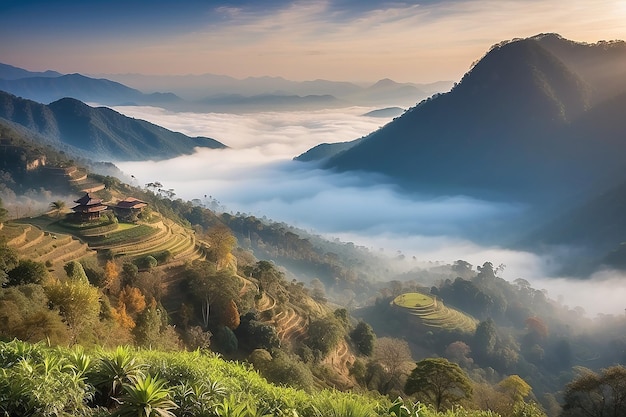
(38, 380)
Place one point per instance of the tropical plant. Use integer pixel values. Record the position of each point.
(401, 408)
(57, 206)
(234, 406)
(109, 375)
(146, 397)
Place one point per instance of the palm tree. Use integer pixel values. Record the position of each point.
(58, 206)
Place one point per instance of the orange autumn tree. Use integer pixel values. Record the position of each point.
(230, 316)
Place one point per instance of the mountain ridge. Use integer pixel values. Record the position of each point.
(498, 133)
(101, 132)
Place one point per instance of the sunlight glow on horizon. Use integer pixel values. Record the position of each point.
(305, 41)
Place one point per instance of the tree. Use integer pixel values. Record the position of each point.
(267, 275)
(485, 338)
(221, 242)
(8, 261)
(57, 206)
(211, 288)
(230, 316)
(27, 271)
(111, 276)
(129, 274)
(363, 337)
(25, 315)
(393, 355)
(439, 382)
(596, 395)
(515, 388)
(324, 334)
(78, 303)
(76, 272)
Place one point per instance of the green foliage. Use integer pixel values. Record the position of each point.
(401, 408)
(225, 340)
(287, 370)
(343, 406)
(8, 261)
(112, 371)
(254, 334)
(27, 272)
(596, 394)
(75, 272)
(147, 262)
(325, 333)
(364, 338)
(41, 383)
(36, 380)
(147, 397)
(439, 382)
(24, 313)
(78, 303)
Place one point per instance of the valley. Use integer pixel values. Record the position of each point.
(402, 240)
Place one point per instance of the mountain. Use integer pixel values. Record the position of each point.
(601, 65)
(386, 112)
(266, 102)
(326, 150)
(103, 91)
(9, 72)
(521, 125)
(100, 133)
(210, 87)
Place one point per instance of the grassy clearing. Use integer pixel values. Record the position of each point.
(413, 299)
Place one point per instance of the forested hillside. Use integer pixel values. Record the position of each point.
(300, 310)
(97, 133)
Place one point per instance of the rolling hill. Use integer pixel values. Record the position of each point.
(99, 133)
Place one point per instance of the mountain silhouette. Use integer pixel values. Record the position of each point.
(100, 133)
(521, 125)
(80, 87)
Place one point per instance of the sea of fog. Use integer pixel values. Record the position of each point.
(257, 175)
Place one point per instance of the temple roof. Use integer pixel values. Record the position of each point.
(89, 209)
(87, 200)
(131, 203)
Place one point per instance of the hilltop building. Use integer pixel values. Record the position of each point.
(128, 210)
(88, 208)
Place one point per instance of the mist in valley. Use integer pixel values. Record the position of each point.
(257, 176)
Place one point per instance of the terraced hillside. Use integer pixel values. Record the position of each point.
(131, 241)
(76, 177)
(54, 249)
(432, 313)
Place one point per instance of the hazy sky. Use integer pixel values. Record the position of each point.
(353, 40)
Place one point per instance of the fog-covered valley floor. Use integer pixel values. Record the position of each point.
(257, 175)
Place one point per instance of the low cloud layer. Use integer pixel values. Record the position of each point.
(257, 176)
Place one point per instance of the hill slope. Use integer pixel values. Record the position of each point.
(517, 127)
(99, 132)
(46, 89)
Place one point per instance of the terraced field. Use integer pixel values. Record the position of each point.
(54, 249)
(432, 313)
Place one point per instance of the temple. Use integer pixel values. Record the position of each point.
(129, 209)
(88, 208)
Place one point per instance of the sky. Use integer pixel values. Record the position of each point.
(344, 40)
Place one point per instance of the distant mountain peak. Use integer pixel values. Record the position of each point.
(385, 83)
